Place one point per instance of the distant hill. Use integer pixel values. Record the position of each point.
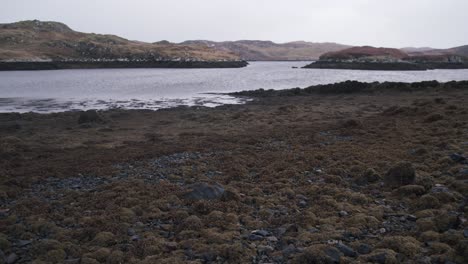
(42, 41)
(257, 50)
(460, 51)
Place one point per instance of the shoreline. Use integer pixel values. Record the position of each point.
(384, 66)
(58, 65)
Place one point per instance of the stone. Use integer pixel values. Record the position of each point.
(131, 232)
(90, 116)
(253, 237)
(382, 230)
(334, 254)
(457, 157)
(12, 258)
(343, 213)
(400, 175)
(347, 251)
(465, 232)
(380, 258)
(265, 249)
(364, 249)
(204, 191)
(261, 232)
(23, 243)
(135, 238)
(302, 203)
(272, 239)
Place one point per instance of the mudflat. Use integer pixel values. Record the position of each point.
(375, 176)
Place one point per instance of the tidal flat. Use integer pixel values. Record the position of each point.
(297, 176)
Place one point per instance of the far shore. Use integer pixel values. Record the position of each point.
(58, 65)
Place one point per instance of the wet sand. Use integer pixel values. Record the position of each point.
(374, 176)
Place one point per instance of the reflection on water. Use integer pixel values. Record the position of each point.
(62, 90)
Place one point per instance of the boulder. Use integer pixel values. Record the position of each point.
(400, 175)
(204, 191)
(90, 116)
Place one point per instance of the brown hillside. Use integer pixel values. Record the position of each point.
(37, 40)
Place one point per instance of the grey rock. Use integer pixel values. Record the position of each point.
(23, 243)
(343, 213)
(12, 258)
(465, 232)
(135, 238)
(90, 116)
(72, 261)
(364, 249)
(261, 232)
(411, 218)
(131, 232)
(302, 203)
(334, 254)
(265, 249)
(314, 230)
(272, 239)
(204, 191)
(253, 237)
(289, 250)
(457, 157)
(380, 258)
(347, 251)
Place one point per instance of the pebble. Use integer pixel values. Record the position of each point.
(382, 230)
(343, 213)
(465, 232)
(135, 238)
(302, 203)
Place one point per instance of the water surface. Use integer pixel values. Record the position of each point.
(62, 90)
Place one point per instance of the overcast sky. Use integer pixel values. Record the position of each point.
(392, 23)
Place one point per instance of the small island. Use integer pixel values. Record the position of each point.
(371, 58)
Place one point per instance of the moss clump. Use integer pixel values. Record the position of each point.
(411, 190)
(4, 243)
(116, 257)
(402, 174)
(192, 222)
(56, 256)
(405, 245)
(104, 239)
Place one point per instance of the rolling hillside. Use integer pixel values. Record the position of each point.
(42, 41)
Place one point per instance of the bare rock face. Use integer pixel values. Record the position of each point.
(400, 175)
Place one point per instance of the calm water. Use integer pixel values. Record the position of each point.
(53, 91)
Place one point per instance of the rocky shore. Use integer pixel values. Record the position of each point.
(345, 173)
(57, 65)
(385, 66)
